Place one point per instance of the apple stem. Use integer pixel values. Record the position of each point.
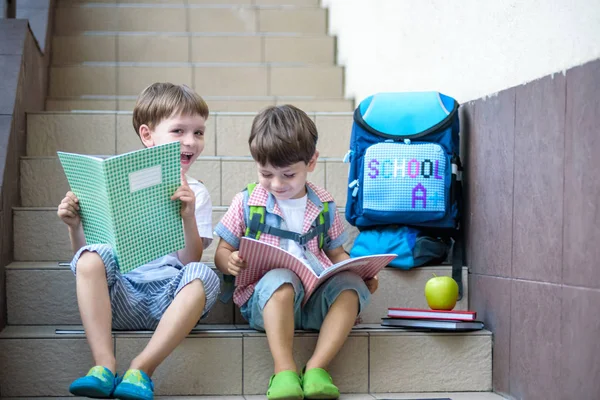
(433, 273)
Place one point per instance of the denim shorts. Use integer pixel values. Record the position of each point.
(313, 313)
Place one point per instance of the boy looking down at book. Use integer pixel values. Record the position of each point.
(283, 143)
(168, 295)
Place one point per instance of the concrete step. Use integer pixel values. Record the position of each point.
(216, 104)
(43, 293)
(187, 47)
(110, 133)
(226, 361)
(43, 183)
(183, 17)
(228, 79)
(344, 396)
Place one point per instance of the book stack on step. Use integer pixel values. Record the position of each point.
(431, 320)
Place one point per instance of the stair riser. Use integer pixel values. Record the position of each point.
(110, 133)
(47, 296)
(198, 49)
(43, 183)
(39, 235)
(242, 365)
(208, 81)
(99, 80)
(178, 18)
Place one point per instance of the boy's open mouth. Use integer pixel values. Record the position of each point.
(186, 157)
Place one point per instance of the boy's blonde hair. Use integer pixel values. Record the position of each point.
(281, 136)
(163, 100)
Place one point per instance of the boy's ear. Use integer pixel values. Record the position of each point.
(146, 135)
(313, 161)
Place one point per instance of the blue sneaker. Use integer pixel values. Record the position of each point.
(135, 385)
(99, 383)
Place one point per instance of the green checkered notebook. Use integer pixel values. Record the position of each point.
(125, 201)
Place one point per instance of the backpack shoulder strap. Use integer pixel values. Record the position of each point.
(323, 225)
(256, 216)
(256, 224)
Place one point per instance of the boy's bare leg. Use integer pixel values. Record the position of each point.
(179, 319)
(278, 316)
(335, 329)
(95, 308)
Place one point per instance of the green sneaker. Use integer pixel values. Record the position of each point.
(285, 385)
(317, 384)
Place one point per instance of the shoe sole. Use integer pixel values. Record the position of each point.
(91, 392)
(286, 398)
(125, 394)
(319, 395)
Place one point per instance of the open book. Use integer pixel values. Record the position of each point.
(262, 257)
(125, 201)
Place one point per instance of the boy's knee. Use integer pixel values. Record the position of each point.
(349, 294)
(284, 293)
(196, 289)
(90, 263)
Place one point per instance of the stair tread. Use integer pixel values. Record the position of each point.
(206, 97)
(215, 114)
(51, 265)
(195, 34)
(202, 157)
(71, 331)
(125, 4)
(215, 208)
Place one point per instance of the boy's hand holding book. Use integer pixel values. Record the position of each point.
(235, 264)
(68, 210)
(372, 284)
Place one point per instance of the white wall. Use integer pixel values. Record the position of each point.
(463, 48)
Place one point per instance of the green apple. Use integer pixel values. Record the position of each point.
(441, 292)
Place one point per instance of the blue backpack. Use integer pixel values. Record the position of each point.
(405, 171)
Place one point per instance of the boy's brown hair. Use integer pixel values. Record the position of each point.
(281, 136)
(163, 100)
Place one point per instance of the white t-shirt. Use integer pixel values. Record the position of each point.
(166, 267)
(293, 214)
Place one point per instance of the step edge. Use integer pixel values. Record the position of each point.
(213, 114)
(221, 330)
(56, 265)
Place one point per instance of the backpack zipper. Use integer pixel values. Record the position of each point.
(354, 184)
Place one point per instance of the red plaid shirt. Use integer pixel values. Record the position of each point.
(234, 223)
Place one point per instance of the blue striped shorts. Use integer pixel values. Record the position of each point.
(141, 305)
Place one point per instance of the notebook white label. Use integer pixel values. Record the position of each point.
(145, 178)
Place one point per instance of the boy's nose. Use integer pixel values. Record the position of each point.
(276, 183)
(187, 139)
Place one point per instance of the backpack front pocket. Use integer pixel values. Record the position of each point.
(404, 182)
